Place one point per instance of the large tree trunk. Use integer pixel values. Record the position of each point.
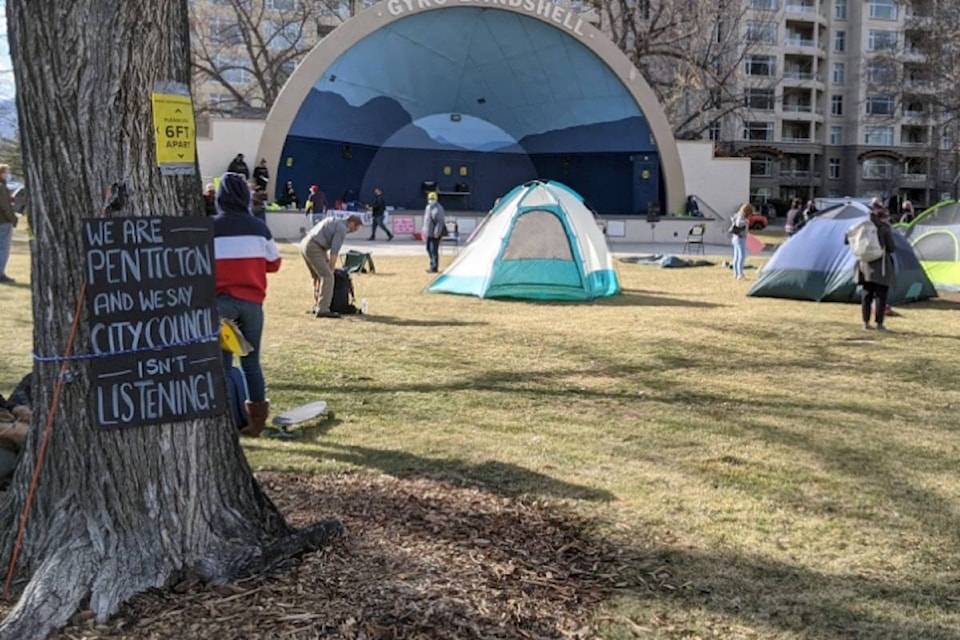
(116, 512)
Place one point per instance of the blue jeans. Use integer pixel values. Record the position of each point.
(6, 236)
(249, 317)
(433, 250)
(378, 223)
(739, 254)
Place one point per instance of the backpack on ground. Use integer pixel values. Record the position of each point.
(864, 241)
(342, 293)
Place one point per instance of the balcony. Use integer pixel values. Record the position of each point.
(913, 178)
(797, 108)
(798, 41)
(799, 7)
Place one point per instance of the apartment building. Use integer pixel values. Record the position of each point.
(838, 103)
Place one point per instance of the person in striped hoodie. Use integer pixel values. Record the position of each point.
(245, 253)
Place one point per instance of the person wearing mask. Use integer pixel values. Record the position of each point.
(320, 249)
(8, 220)
(378, 209)
(877, 276)
(245, 253)
(738, 237)
(433, 229)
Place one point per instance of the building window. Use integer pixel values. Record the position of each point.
(836, 105)
(760, 99)
(222, 101)
(884, 9)
(765, 32)
(882, 136)
(769, 5)
(281, 5)
(878, 169)
(281, 35)
(840, 10)
(224, 31)
(758, 131)
(880, 106)
(714, 132)
(881, 73)
(834, 168)
(761, 195)
(761, 66)
(761, 167)
(838, 73)
(840, 41)
(882, 41)
(836, 135)
(233, 70)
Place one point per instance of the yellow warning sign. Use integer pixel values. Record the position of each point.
(175, 132)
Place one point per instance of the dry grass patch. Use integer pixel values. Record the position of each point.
(772, 470)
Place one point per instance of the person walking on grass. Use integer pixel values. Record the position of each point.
(433, 227)
(245, 253)
(877, 276)
(738, 238)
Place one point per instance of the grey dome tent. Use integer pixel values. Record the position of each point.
(815, 264)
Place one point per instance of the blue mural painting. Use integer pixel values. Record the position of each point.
(473, 99)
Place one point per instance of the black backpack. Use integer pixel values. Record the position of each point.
(342, 293)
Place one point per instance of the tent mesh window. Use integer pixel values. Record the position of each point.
(538, 235)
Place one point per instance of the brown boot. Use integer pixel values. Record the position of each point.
(258, 412)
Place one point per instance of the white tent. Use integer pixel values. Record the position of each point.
(540, 242)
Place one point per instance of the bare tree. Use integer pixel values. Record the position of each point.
(113, 512)
(249, 48)
(931, 51)
(692, 55)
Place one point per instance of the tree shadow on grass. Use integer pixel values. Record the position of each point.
(773, 598)
(492, 476)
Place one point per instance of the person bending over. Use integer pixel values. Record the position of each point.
(320, 249)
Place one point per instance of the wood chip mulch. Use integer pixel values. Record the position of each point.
(422, 559)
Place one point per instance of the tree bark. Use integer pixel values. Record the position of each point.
(116, 512)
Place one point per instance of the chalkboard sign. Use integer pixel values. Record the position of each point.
(151, 301)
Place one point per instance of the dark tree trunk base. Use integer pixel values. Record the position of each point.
(75, 574)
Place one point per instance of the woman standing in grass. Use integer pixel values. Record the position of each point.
(877, 276)
(738, 234)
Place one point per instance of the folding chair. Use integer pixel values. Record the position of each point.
(357, 261)
(694, 242)
(453, 236)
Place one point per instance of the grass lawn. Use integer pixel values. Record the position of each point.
(776, 471)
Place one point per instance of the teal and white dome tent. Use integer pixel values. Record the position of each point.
(540, 242)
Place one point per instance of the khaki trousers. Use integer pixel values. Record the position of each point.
(318, 261)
